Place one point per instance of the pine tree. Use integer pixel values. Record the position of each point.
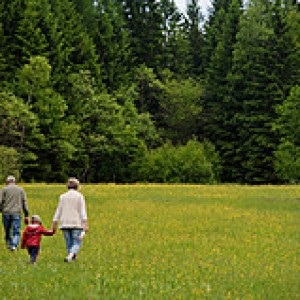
(213, 28)
(196, 38)
(11, 14)
(112, 44)
(3, 64)
(255, 93)
(30, 35)
(144, 22)
(286, 21)
(87, 9)
(73, 49)
(217, 110)
(175, 55)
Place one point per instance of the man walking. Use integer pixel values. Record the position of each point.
(12, 202)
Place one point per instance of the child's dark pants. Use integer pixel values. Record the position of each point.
(33, 252)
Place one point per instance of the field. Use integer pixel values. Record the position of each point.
(165, 242)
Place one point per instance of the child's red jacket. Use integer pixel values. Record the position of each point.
(32, 235)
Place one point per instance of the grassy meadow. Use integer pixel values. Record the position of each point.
(165, 242)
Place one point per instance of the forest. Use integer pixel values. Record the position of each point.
(129, 91)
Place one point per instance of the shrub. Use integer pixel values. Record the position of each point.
(287, 162)
(194, 162)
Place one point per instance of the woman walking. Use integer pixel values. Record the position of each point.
(72, 218)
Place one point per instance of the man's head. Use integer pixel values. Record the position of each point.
(73, 183)
(10, 179)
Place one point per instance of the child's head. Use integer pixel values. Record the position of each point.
(35, 219)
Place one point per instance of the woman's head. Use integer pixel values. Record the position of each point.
(73, 183)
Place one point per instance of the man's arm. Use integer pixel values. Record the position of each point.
(25, 206)
(24, 239)
(24, 203)
(1, 199)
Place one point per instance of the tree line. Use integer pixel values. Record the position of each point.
(136, 91)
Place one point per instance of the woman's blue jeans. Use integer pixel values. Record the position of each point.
(73, 243)
(12, 225)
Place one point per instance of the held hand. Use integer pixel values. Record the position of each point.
(54, 224)
(85, 226)
(80, 238)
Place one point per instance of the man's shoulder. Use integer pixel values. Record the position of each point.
(15, 187)
(6, 188)
(19, 187)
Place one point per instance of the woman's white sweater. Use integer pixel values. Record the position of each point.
(71, 210)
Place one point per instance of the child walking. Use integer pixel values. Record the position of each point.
(31, 237)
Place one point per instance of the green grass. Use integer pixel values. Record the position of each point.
(165, 242)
